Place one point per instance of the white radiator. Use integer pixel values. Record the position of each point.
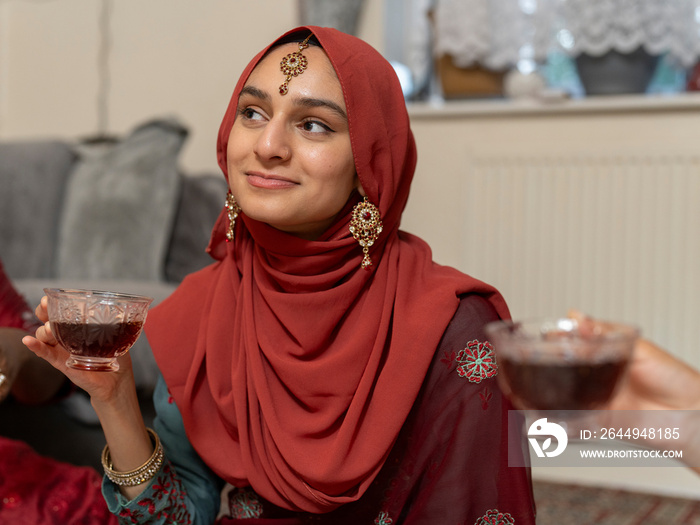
(616, 236)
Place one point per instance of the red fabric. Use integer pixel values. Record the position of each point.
(37, 490)
(14, 311)
(295, 369)
(449, 464)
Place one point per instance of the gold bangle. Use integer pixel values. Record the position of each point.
(140, 475)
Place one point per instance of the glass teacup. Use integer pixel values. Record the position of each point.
(95, 327)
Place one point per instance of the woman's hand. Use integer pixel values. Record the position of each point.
(103, 387)
(112, 394)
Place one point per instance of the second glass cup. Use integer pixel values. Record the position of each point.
(560, 364)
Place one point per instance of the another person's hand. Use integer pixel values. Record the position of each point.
(663, 391)
(101, 386)
(10, 358)
(656, 380)
(29, 379)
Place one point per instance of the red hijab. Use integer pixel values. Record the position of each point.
(294, 369)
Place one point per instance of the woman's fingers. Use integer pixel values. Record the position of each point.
(45, 335)
(42, 311)
(45, 345)
(54, 353)
(49, 338)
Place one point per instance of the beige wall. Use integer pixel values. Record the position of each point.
(166, 57)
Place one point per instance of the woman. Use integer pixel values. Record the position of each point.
(324, 369)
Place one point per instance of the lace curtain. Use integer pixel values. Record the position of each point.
(598, 26)
(495, 33)
(500, 33)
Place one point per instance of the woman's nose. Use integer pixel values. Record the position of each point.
(273, 142)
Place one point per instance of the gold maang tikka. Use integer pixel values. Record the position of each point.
(293, 65)
(365, 226)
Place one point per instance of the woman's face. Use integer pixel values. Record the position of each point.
(290, 160)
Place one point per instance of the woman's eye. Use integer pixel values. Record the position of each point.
(313, 126)
(250, 114)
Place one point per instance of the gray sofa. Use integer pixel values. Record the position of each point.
(111, 214)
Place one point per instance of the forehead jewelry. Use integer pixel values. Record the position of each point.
(293, 65)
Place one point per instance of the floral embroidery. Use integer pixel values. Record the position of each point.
(168, 488)
(150, 504)
(494, 517)
(161, 488)
(448, 359)
(477, 361)
(485, 396)
(383, 519)
(244, 504)
(128, 516)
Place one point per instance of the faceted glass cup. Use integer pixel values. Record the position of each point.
(557, 364)
(95, 327)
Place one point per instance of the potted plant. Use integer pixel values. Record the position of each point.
(617, 44)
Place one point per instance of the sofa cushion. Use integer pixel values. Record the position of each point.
(201, 200)
(120, 204)
(33, 176)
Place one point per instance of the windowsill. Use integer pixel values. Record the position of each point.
(597, 104)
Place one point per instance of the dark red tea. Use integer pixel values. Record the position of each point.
(561, 386)
(97, 340)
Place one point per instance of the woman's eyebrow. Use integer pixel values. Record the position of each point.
(255, 92)
(309, 102)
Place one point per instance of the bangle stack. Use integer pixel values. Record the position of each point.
(139, 475)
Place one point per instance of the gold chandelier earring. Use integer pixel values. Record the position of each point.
(233, 210)
(365, 226)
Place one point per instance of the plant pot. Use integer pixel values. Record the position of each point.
(465, 82)
(616, 73)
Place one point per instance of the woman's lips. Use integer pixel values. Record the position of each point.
(268, 181)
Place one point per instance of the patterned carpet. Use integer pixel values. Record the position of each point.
(559, 504)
